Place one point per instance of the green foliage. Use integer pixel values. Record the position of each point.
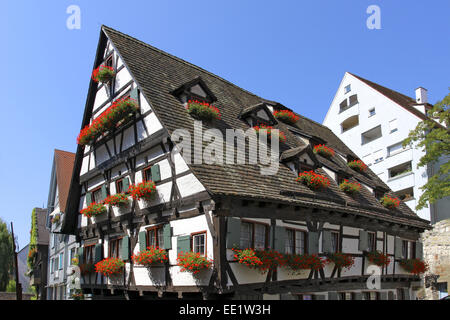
(434, 138)
(6, 255)
(32, 290)
(11, 287)
(33, 240)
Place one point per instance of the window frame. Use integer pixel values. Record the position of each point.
(114, 240)
(93, 191)
(86, 249)
(337, 239)
(196, 234)
(294, 242)
(119, 182)
(156, 229)
(253, 223)
(372, 245)
(144, 171)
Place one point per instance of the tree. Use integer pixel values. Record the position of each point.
(11, 287)
(433, 137)
(6, 255)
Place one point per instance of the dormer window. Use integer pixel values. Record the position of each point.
(195, 90)
(257, 115)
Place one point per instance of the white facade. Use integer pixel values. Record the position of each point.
(374, 127)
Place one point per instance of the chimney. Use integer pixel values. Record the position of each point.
(421, 95)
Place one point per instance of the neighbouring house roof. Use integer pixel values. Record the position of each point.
(158, 74)
(42, 231)
(404, 101)
(64, 161)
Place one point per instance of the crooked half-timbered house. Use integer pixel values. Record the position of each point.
(211, 209)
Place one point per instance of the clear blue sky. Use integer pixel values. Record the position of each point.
(289, 51)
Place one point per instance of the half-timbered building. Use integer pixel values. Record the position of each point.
(211, 209)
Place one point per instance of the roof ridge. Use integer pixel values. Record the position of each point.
(180, 60)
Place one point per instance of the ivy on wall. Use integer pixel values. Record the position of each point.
(32, 251)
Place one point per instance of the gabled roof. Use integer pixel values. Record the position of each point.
(64, 161)
(158, 73)
(406, 102)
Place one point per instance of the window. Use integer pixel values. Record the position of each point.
(395, 148)
(371, 135)
(155, 236)
(343, 106)
(400, 169)
(371, 295)
(371, 112)
(119, 186)
(88, 254)
(353, 100)
(346, 296)
(404, 249)
(347, 89)
(199, 243)
(405, 194)
(412, 250)
(335, 241)
(378, 156)
(295, 241)
(52, 261)
(56, 264)
(114, 248)
(109, 61)
(400, 294)
(97, 194)
(350, 123)
(147, 174)
(393, 126)
(61, 259)
(253, 235)
(306, 297)
(372, 241)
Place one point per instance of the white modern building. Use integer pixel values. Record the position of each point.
(62, 247)
(374, 121)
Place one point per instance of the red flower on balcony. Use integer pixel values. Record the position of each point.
(341, 260)
(298, 262)
(324, 151)
(94, 209)
(103, 74)
(117, 200)
(281, 135)
(202, 110)
(357, 165)
(414, 266)
(313, 180)
(120, 110)
(110, 266)
(193, 262)
(350, 187)
(286, 116)
(150, 256)
(144, 190)
(378, 258)
(390, 202)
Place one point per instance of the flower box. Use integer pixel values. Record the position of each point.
(77, 295)
(390, 202)
(202, 110)
(145, 190)
(286, 116)
(414, 266)
(281, 135)
(103, 74)
(93, 210)
(117, 200)
(313, 180)
(350, 187)
(299, 262)
(110, 266)
(119, 111)
(378, 258)
(324, 151)
(151, 256)
(357, 165)
(341, 260)
(248, 258)
(193, 262)
(261, 260)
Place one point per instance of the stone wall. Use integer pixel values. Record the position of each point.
(436, 248)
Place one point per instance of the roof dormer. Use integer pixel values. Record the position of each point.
(300, 159)
(195, 89)
(258, 114)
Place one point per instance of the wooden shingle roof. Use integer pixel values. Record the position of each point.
(158, 74)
